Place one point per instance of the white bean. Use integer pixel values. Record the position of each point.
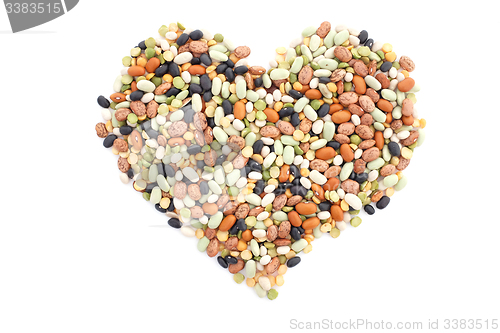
(267, 141)
(355, 119)
(259, 233)
(372, 175)
(323, 215)
(393, 72)
(283, 249)
(106, 114)
(269, 188)
(341, 225)
(238, 125)
(305, 182)
(124, 178)
(268, 199)
(403, 135)
(265, 259)
(357, 153)
(313, 84)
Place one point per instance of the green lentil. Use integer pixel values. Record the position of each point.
(238, 278)
(272, 294)
(218, 38)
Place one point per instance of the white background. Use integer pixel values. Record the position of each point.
(81, 252)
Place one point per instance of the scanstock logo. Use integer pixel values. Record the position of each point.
(26, 14)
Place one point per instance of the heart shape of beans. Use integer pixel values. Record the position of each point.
(258, 163)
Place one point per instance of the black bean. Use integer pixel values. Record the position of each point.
(299, 190)
(169, 171)
(196, 34)
(142, 45)
(211, 121)
(146, 125)
(394, 148)
(363, 36)
(383, 202)
(150, 187)
(205, 59)
(125, 130)
(323, 110)
(188, 115)
(152, 133)
(182, 39)
(195, 61)
(103, 102)
(292, 262)
(160, 208)
(369, 43)
(285, 112)
(173, 69)
(240, 70)
(229, 63)
(334, 144)
(247, 169)
(295, 94)
(220, 159)
(207, 96)
(386, 66)
(130, 173)
(205, 82)
(271, 148)
(296, 181)
(136, 95)
(161, 169)
(258, 82)
(279, 190)
(222, 262)
(325, 206)
(162, 70)
(231, 260)
(294, 119)
(233, 230)
(108, 141)
(200, 164)
(174, 223)
(227, 107)
(204, 189)
(295, 233)
(171, 207)
(193, 149)
(259, 187)
(352, 176)
(229, 74)
(369, 209)
(324, 80)
(240, 223)
(294, 170)
(195, 88)
(254, 165)
(361, 177)
(221, 68)
(172, 91)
